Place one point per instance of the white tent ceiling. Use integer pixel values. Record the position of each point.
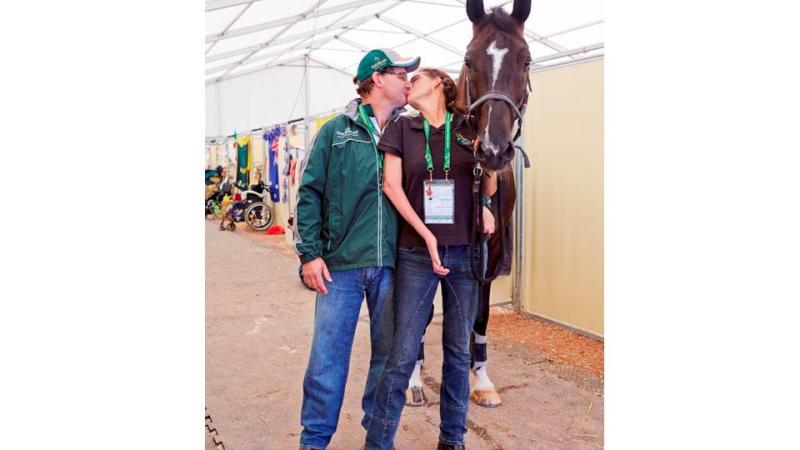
(266, 42)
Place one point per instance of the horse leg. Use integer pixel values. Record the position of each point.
(415, 394)
(484, 392)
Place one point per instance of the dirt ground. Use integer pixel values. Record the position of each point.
(259, 320)
(558, 344)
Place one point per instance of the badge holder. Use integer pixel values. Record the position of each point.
(439, 200)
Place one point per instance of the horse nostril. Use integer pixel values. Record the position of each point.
(507, 153)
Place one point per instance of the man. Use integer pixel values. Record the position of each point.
(346, 233)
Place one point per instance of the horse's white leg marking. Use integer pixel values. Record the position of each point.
(483, 382)
(415, 380)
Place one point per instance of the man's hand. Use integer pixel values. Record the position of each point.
(313, 273)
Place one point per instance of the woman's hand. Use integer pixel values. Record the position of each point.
(433, 249)
(488, 221)
(393, 188)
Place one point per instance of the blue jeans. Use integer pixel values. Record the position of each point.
(415, 287)
(335, 321)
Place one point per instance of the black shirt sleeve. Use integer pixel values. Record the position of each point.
(392, 138)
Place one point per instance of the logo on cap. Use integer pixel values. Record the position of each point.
(380, 62)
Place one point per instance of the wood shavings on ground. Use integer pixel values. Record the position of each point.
(556, 343)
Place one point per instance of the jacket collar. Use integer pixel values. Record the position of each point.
(351, 110)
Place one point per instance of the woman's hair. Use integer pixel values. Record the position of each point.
(448, 85)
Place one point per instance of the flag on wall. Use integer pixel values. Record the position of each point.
(272, 136)
(322, 119)
(243, 161)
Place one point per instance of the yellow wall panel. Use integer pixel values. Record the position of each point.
(563, 194)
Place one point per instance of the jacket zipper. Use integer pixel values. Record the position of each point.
(380, 207)
(380, 196)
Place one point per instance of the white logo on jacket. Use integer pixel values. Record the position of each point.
(346, 133)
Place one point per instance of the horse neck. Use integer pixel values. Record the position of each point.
(508, 194)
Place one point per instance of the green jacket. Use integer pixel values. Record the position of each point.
(342, 214)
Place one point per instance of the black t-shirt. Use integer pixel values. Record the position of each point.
(405, 137)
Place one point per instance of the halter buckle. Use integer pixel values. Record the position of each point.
(477, 171)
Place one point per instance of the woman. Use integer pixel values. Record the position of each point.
(428, 176)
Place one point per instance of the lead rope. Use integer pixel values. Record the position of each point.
(478, 261)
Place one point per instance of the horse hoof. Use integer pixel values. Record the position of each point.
(415, 396)
(488, 398)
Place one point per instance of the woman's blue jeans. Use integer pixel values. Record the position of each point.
(415, 288)
(335, 319)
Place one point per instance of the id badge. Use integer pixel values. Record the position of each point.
(439, 199)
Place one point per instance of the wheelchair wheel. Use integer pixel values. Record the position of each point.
(231, 226)
(258, 216)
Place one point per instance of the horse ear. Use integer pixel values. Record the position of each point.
(460, 104)
(521, 11)
(475, 10)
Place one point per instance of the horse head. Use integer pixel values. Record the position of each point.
(494, 80)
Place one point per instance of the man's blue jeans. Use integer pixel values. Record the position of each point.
(415, 287)
(335, 321)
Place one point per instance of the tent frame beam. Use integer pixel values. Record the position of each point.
(348, 25)
(422, 35)
(238, 16)
(279, 33)
(255, 69)
(331, 66)
(214, 5)
(281, 52)
(567, 53)
(579, 27)
(326, 65)
(269, 55)
(289, 19)
(282, 40)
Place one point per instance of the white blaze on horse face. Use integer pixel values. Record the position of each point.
(491, 147)
(497, 55)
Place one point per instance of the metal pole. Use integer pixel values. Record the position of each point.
(519, 228)
(306, 120)
(264, 154)
(219, 109)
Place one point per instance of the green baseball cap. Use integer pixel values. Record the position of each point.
(380, 58)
